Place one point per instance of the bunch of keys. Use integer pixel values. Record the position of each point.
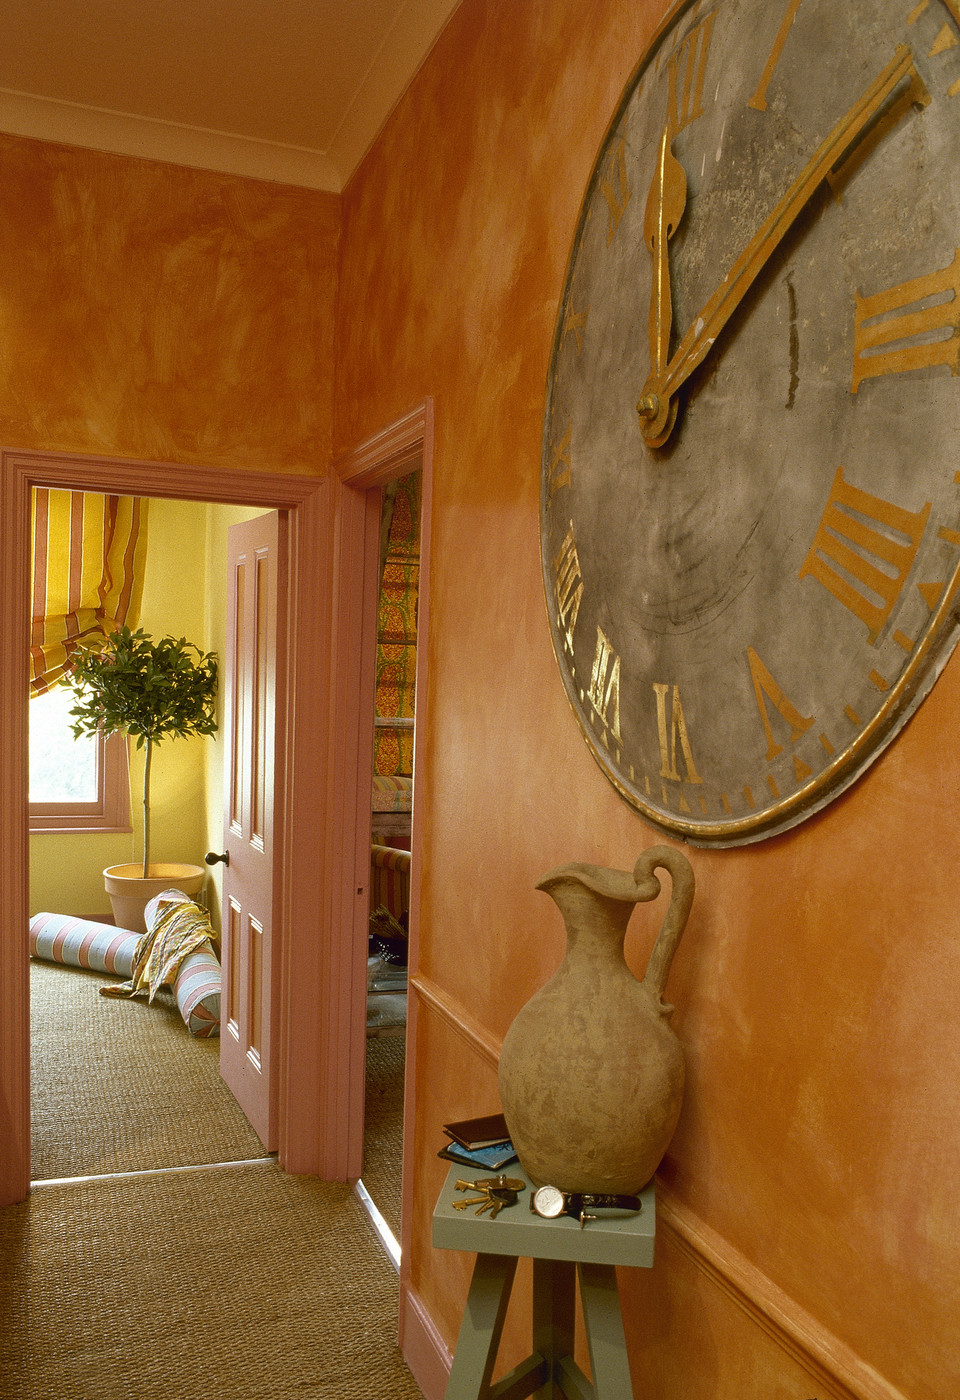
(497, 1192)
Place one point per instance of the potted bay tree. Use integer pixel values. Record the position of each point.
(150, 690)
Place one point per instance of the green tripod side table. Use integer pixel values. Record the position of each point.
(560, 1251)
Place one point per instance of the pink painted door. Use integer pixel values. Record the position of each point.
(250, 967)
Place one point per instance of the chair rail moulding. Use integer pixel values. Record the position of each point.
(834, 1366)
(454, 1014)
(304, 1081)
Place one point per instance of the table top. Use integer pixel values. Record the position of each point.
(614, 1238)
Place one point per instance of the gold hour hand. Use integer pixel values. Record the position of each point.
(665, 205)
(657, 407)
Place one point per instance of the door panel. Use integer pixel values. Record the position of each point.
(248, 1019)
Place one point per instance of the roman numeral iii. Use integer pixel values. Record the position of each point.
(893, 333)
(863, 551)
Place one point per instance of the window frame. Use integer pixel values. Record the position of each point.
(110, 811)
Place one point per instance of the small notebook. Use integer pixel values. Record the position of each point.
(479, 1132)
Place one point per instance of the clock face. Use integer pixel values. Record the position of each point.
(750, 504)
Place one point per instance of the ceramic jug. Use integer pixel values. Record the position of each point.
(591, 1073)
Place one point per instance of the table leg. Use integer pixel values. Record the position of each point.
(553, 1318)
(604, 1325)
(482, 1325)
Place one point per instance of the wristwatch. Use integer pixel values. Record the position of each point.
(550, 1202)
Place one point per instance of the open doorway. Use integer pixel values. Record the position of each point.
(304, 1095)
(394, 727)
(127, 1086)
(404, 446)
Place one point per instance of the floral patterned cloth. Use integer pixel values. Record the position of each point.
(178, 928)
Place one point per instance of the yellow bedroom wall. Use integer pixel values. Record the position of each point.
(184, 595)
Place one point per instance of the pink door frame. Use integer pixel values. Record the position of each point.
(309, 995)
(399, 449)
(323, 815)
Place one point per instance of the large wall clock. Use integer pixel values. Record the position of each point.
(750, 502)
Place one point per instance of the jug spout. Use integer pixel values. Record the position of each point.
(589, 896)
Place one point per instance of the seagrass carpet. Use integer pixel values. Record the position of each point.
(118, 1085)
(189, 1278)
(235, 1282)
(383, 1126)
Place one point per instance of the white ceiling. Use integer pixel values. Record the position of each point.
(291, 90)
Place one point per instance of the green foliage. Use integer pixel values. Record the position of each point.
(145, 688)
(149, 690)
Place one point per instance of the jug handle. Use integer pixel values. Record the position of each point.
(681, 898)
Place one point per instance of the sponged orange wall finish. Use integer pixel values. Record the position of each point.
(155, 312)
(816, 984)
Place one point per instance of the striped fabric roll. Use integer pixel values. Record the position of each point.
(61, 938)
(197, 990)
(197, 984)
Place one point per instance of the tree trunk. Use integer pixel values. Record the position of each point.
(146, 807)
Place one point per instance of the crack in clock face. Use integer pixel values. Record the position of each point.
(750, 511)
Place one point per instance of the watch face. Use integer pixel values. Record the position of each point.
(750, 505)
(548, 1202)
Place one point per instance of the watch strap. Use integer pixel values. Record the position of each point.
(594, 1201)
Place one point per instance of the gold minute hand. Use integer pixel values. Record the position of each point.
(665, 205)
(656, 408)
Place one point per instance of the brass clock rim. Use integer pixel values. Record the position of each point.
(905, 695)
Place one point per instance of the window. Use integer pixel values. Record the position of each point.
(75, 784)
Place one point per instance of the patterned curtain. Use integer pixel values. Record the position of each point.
(88, 559)
(397, 633)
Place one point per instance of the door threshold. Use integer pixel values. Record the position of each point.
(151, 1171)
(381, 1229)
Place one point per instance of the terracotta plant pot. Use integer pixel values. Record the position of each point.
(591, 1075)
(130, 893)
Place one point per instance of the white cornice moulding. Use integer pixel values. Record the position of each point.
(406, 44)
(70, 124)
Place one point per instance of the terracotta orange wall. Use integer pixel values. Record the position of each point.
(808, 1238)
(151, 311)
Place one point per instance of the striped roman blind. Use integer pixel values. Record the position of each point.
(88, 559)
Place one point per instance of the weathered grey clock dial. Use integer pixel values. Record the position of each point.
(750, 507)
